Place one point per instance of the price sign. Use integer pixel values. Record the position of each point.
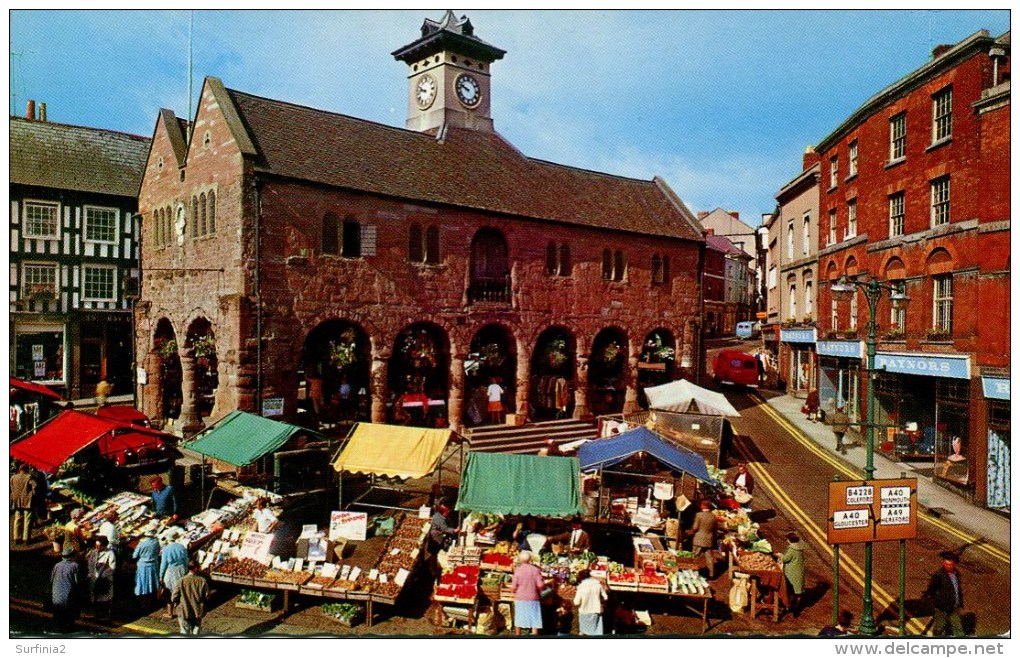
(857, 514)
(348, 525)
(842, 519)
(256, 546)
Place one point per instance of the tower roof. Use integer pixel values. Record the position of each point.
(450, 33)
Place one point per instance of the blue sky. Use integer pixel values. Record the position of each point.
(719, 103)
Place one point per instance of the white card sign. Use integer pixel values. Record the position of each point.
(348, 525)
(256, 546)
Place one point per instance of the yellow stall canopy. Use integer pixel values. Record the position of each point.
(393, 450)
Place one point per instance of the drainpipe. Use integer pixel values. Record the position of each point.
(258, 297)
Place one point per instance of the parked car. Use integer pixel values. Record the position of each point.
(735, 368)
(124, 413)
(748, 329)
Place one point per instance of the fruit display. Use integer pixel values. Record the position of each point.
(653, 581)
(320, 582)
(245, 567)
(288, 577)
(499, 557)
(626, 579)
(757, 562)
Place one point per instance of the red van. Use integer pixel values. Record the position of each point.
(736, 368)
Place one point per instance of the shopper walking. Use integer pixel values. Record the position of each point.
(706, 523)
(22, 499)
(527, 585)
(840, 425)
(102, 565)
(589, 598)
(173, 566)
(192, 595)
(945, 591)
(147, 570)
(793, 569)
(65, 590)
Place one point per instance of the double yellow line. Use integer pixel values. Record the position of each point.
(853, 474)
(813, 530)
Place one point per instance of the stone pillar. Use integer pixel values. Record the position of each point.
(630, 396)
(455, 399)
(581, 392)
(380, 364)
(189, 421)
(523, 386)
(152, 390)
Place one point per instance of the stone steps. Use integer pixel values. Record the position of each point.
(527, 439)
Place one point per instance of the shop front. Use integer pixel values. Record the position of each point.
(923, 404)
(39, 353)
(839, 376)
(797, 358)
(996, 393)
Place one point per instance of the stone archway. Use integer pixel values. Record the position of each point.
(553, 365)
(165, 372)
(656, 365)
(418, 376)
(201, 342)
(335, 363)
(607, 372)
(492, 357)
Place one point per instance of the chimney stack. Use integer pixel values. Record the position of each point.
(42, 112)
(702, 214)
(734, 214)
(709, 231)
(30, 112)
(810, 157)
(940, 50)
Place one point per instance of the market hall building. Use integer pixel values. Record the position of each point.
(915, 191)
(394, 273)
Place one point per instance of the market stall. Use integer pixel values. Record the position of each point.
(708, 435)
(255, 450)
(391, 452)
(684, 397)
(623, 503)
(30, 405)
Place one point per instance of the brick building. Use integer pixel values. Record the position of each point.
(314, 265)
(728, 285)
(915, 191)
(74, 253)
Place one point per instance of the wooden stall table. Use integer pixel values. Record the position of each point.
(696, 603)
(771, 586)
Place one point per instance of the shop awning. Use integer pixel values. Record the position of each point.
(607, 452)
(683, 397)
(240, 438)
(32, 387)
(59, 439)
(497, 483)
(393, 450)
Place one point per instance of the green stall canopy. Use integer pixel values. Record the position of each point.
(496, 483)
(240, 438)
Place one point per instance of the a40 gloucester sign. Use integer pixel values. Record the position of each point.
(872, 510)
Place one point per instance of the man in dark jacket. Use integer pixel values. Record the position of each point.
(945, 591)
(22, 500)
(192, 593)
(840, 425)
(65, 591)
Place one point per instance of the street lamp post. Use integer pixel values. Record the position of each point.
(873, 289)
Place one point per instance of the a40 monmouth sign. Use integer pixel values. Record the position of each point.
(955, 367)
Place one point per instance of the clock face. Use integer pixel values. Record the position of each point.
(425, 92)
(468, 90)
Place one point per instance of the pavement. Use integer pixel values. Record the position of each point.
(933, 499)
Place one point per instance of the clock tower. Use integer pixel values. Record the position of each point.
(448, 76)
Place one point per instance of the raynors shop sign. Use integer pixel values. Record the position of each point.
(954, 367)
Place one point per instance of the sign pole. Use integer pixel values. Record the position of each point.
(835, 584)
(903, 587)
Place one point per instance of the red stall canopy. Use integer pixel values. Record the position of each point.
(32, 387)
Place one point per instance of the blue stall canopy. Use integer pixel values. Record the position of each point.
(607, 452)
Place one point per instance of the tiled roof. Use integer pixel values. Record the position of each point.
(64, 157)
(466, 168)
(723, 244)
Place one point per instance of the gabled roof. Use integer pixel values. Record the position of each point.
(725, 245)
(459, 167)
(65, 157)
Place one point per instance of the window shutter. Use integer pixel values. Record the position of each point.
(368, 234)
(432, 256)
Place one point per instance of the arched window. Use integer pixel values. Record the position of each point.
(194, 216)
(330, 234)
(490, 268)
(415, 243)
(853, 311)
(550, 259)
(157, 224)
(432, 246)
(809, 297)
(204, 228)
(793, 302)
(168, 226)
(212, 213)
(660, 269)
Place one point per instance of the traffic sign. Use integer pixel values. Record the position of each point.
(761, 315)
(872, 510)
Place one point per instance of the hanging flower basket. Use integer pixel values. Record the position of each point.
(491, 355)
(419, 348)
(656, 352)
(556, 353)
(611, 353)
(203, 347)
(165, 348)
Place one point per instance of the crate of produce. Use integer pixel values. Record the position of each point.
(387, 592)
(623, 580)
(256, 600)
(345, 614)
(653, 582)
